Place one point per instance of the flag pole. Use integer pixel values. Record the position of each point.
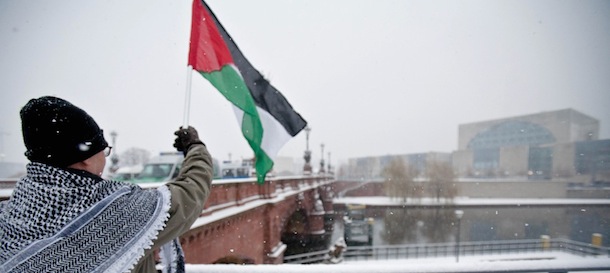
(187, 96)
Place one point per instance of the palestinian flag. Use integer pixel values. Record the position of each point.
(266, 118)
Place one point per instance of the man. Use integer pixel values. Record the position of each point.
(63, 217)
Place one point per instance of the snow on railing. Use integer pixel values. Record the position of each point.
(416, 251)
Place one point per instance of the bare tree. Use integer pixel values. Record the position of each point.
(441, 180)
(399, 226)
(134, 156)
(435, 227)
(399, 180)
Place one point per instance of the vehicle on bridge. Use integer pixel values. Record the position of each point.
(164, 168)
(127, 173)
(237, 169)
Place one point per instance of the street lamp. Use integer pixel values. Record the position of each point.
(114, 158)
(329, 171)
(322, 159)
(458, 215)
(307, 167)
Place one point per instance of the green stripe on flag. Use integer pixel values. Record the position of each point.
(263, 165)
(231, 85)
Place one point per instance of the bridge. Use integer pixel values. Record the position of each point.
(248, 222)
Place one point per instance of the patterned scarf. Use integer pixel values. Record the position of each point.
(63, 221)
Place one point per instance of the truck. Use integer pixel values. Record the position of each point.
(237, 169)
(127, 173)
(164, 168)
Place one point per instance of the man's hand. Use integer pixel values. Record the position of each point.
(185, 138)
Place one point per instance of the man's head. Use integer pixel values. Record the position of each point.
(58, 133)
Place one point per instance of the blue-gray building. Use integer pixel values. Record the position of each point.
(556, 144)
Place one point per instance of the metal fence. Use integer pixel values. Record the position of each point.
(415, 251)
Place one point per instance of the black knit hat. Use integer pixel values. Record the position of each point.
(58, 133)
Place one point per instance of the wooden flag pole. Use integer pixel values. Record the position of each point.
(187, 96)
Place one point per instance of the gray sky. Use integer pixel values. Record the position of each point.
(370, 77)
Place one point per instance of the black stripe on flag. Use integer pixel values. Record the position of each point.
(264, 94)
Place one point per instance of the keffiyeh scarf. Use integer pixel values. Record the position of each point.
(61, 221)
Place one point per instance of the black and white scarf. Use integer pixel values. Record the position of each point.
(63, 221)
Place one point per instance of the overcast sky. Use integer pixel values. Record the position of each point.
(371, 77)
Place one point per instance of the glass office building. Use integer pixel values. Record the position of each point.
(556, 144)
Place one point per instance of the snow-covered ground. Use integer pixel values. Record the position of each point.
(545, 262)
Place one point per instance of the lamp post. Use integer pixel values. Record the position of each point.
(114, 158)
(307, 167)
(458, 215)
(322, 159)
(328, 169)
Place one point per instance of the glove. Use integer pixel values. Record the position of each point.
(185, 138)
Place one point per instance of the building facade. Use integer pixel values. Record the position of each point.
(556, 144)
(562, 144)
(372, 167)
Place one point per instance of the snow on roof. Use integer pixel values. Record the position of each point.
(130, 169)
(5, 193)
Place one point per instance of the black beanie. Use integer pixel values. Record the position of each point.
(57, 133)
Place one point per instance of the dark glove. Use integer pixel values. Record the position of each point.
(185, 138)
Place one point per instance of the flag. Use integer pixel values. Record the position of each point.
(266, 118)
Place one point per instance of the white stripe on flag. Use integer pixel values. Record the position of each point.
(274, 134)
